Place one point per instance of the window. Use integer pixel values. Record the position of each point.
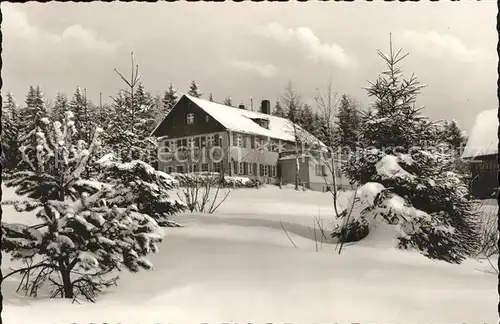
(179, 145)
(197, 142)
(241, 168)
(256, 143)
(184, 144)
(204, 167)
(269, 170)
(318, 169)
(190, 168)
(207, 118)
(250, 168)
(218, 140)
(190, 143)
(203, 141)
(217, 167)
(180, 169)
(274, 171)
(239, 140)
(210, 140)
(168, 169)
(190, 118)
(172, 146)
(264, 170)
(195, 167)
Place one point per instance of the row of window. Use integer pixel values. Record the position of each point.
(212, 140)
(320, 170)
(255, 142)
(485, 165)
(239, 168)
(190, 118)
(184, 144)
(203, 167)
(248, 168)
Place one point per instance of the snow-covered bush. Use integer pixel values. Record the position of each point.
(84, 232)
(416, 187)
(204, 191)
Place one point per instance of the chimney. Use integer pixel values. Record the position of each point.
(265, 107)
(241, 106)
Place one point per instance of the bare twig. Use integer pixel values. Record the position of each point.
(283, 227)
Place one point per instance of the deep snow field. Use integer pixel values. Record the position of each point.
(239, 266)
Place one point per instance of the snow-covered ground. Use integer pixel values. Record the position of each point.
(238, 265)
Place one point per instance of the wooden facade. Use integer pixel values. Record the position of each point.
(484, 176)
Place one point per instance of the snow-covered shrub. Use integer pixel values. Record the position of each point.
(84, 233)
(416, 187)
(204, 191)
(138, 183)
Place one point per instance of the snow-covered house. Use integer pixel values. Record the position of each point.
(201, 135)
(481, 152)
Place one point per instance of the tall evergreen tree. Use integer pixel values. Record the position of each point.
(10, 130)
(348, 123)
(31, 120)
(130, 139)
(411, 185)
(61, 105)
(84, 114)
(194, 90)
(169, 99)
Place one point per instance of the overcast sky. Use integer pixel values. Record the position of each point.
(248, 50)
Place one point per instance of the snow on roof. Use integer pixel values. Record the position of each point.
(240, 120)
(483, 139)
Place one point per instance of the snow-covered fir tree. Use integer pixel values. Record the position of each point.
(210, 97)
(147, 111)
(83, 114)
(30, 122)
(61, 105)
(194, 90)
(130, 138)
(170, 98)
(405, 177)
(83, 234)
(10, 131)
(138, 183)
(228, 101)
(348, 123)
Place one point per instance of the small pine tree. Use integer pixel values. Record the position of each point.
(278, 110)
(412, 186)
(194, 90)
(210, 97)
(228, 101)
(83, 235)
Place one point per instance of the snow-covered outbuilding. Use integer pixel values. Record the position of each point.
(481, 152)
(201, 135)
